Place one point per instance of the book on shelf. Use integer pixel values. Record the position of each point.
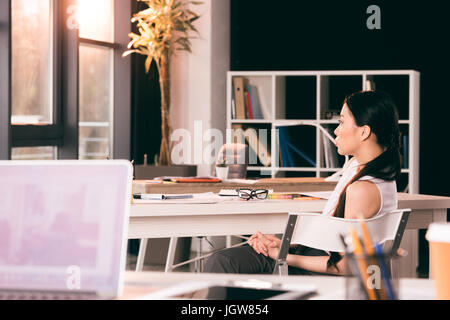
(257, 147)
(255, 102)
(291, 154)
(246, 101)
(239, 97)
(249, 106)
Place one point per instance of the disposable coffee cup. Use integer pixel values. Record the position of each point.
(438, 235)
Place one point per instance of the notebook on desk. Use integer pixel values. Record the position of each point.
(63, 228)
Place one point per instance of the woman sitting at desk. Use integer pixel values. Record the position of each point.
(368, 130)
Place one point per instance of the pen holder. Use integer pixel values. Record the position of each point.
(372, 277)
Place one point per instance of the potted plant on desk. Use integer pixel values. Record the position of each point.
(163, 28)
(222, 169)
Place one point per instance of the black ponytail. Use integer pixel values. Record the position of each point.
(377, 110)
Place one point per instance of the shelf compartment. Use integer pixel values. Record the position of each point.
(330, 158)
(300, 97)
(296, 146)
(395, 85)
(334, 90)
(259, 139)
(256, 89)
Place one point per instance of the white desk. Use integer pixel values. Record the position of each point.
(236, 217)
(138, 284)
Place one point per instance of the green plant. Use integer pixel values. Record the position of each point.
(163, 28)
(222, 163)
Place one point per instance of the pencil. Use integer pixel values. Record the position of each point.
(359, 253)
(290, 196)
(384, 272)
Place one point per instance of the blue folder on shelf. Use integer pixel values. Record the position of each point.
(287, 149)
(283, 148)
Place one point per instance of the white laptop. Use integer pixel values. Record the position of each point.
(63, 228)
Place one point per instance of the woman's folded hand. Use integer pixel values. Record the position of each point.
(262, 244)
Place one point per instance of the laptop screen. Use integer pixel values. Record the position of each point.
(63, 224)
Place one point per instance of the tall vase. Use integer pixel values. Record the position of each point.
(164, 81)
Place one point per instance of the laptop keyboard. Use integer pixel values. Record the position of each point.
(46, 295)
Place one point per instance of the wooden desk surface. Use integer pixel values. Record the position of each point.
(278, 185)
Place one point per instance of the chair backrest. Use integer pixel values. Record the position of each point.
(237, 157)
(323, 232)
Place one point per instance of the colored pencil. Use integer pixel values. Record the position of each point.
(384, 273)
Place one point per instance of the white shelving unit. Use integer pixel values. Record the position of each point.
(286, 94)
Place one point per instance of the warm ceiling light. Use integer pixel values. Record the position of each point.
(94, 16)
(87, 12)
(30, 8)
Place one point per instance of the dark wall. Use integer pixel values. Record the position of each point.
(145, 105)
(332, 35)
(145, 112)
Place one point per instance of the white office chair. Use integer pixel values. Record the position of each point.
(323, 232)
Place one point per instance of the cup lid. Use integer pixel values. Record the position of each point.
(438, 232)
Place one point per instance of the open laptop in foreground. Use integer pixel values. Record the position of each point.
(63, 228)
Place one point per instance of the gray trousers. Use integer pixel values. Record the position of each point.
(245, 260)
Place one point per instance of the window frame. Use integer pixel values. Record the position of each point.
(51, 134)
(64, 132)
(111, 47)
(121, 113)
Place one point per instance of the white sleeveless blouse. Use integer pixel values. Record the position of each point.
(388, 190)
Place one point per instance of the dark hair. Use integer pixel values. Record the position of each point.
(377, 110)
